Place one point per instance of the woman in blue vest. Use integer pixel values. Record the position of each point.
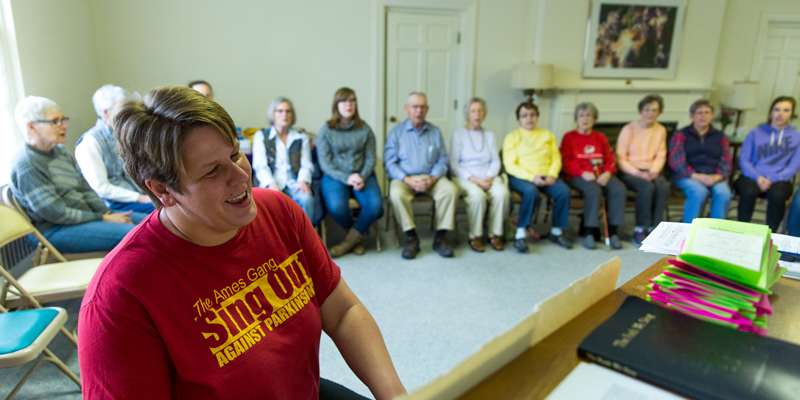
(700, 158)
(346, 150)
(282, 156)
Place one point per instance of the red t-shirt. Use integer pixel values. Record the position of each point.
(166, 318)
(577, 151)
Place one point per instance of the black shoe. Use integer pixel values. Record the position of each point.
(639, 235)
(561, 240)
(588, 242)
(411, 248)
(441, 246)
(614, 242)
(520, 245)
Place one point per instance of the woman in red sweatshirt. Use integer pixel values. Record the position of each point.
(589, 167)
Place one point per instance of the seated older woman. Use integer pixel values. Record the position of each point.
(282, 156)
(700, 157)
(46, 182)
(589, 167)
(475, 165)
(245, 287)
(346, 149)
(641, 155)
(533, 163)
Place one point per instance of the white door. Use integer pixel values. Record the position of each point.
(780, 68)
(421, 55)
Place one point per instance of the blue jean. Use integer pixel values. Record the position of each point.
(337, 200)
(793, 220)
(696, 194)
(306, 200)
(89, 236)
(117, 206)
(559, 192)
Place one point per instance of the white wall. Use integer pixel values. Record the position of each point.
(253, 51)
(57, 57)
(737, 47)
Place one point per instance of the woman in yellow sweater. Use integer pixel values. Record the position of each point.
(533, 162)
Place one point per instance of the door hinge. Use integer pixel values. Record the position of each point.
(455, 104)
(458, 38)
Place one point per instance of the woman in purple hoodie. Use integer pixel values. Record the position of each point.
(769, 159)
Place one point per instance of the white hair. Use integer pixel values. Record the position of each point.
(31, 109)
(472, 101)
(275, 103)
(420, 94)
(105, 98)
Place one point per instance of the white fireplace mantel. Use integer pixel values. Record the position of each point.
(620, 104)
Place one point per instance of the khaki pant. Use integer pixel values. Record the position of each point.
(444, 195)
(476, 198)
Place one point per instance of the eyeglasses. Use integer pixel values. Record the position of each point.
(351, 101)
(54, 121)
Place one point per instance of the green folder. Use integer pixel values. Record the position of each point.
(740, 251)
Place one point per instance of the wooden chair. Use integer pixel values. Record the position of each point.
(355, 208)
(419, 198)
(43, 254)
(26, 335)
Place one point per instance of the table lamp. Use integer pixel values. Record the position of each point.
(532, 78)
(743, 98)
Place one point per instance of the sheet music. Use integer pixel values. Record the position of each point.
(667, 238)
(736, 248)
(786, 243)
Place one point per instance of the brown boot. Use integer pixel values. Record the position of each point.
(359, 249)
(352, 239)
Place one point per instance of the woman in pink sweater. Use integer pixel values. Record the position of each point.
(641, 154)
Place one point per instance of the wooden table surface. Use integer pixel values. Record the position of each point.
(537, 371)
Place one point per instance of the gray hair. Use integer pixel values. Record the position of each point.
(274, 105)
(473, 101)
(31, 109)
(587, 106)
(700, 103)
(105, 98)
(420, 94)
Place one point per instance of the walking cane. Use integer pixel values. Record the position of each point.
(596, 165)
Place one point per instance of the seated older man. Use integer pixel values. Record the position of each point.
(100, 163)
(416, 160)
(46, 182)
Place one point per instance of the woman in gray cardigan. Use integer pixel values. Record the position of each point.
(346, 152)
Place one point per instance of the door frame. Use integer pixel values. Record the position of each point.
(465, 84)
(761, 39)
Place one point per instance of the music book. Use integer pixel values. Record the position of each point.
(692, 357)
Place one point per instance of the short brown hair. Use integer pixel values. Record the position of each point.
(529, 106)
(341, 95)
(652, 98)
(151, 131)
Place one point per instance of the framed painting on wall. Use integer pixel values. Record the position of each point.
(633, 38)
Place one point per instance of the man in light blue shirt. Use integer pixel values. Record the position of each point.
(415, 159)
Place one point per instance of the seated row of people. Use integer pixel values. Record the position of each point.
(417, 162)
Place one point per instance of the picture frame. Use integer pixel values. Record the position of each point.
(633, 38)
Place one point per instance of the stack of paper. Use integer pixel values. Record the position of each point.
(789, 247)
(723, 274)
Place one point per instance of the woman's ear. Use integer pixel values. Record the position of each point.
(161, 191)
